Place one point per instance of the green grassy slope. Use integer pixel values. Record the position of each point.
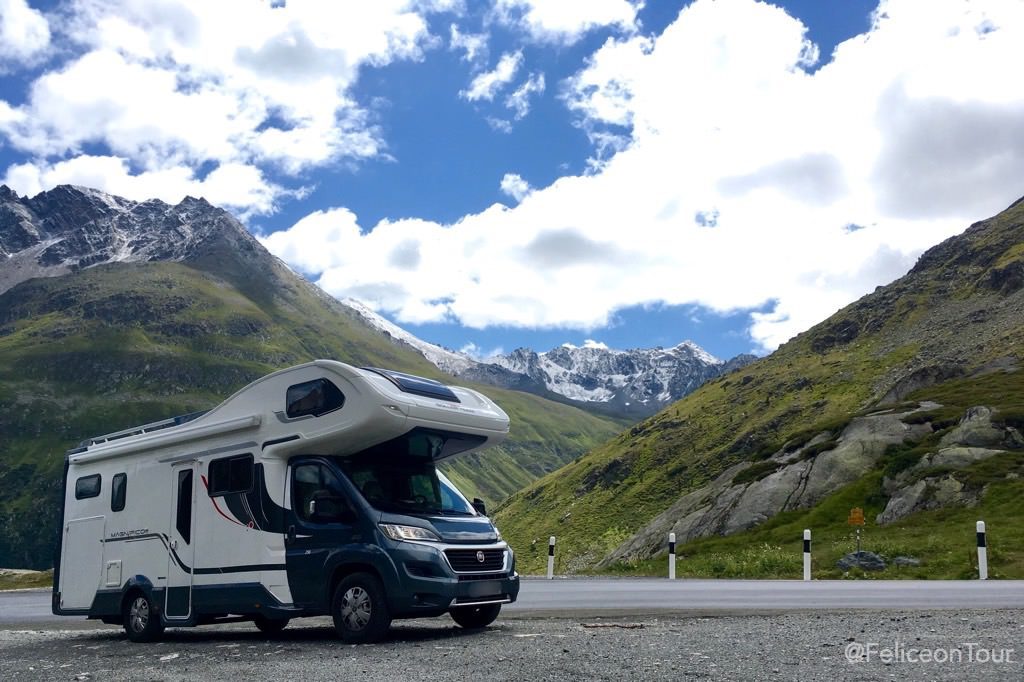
(955, 317)
(116, 346)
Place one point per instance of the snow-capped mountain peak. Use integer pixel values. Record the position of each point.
(69, 228)
(446, 360)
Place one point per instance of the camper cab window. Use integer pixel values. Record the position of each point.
(314, 398)
(230, 475)
(400, 476)
(318, 495)
(87, 486)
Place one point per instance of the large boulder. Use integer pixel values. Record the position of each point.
(866, 561)
(975, 431)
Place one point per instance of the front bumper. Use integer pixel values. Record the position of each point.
(430, 586)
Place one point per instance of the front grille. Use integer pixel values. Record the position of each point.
(466, 560)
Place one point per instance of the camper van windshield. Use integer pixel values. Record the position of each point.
(400, 476)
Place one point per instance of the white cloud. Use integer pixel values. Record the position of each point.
(499, 124)
(474, 45)
(24, 32)
(486, 85)
(190, 84)
(519, 100)
(566, 21)
(731, 177)
(513, 185)
(481, 354)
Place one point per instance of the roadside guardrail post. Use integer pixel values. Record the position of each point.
(807, 554)
(671, 556)
(551, 557)
(982, 552)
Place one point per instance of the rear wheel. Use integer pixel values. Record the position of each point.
(476, 617)
(140, 618)
(270, 626)
(359, 609)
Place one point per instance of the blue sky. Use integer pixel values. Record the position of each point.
(529, 172)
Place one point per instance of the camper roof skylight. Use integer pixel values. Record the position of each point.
(409, 383)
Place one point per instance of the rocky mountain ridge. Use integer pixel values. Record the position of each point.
(638, 381)
(630, 383)
(70, 228)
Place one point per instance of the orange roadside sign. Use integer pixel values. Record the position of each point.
(856, 517)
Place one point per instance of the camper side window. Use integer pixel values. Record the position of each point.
(231, 475)
(313, 397)
(87, 486)
(118, 492)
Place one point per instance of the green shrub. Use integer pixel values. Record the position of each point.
(755, 472)
(901, 456)
(812, 451)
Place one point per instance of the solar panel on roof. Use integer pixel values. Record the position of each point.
(410, 383)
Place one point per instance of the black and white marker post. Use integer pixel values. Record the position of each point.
(807, 554)
(551, 557)
(982, 552)
(671, 556)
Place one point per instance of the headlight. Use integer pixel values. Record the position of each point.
(397, 532)
(497, 533)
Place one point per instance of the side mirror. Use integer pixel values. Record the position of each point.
(479, 506)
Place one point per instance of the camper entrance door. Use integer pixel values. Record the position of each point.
(182, 542)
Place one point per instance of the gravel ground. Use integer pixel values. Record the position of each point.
(790, 646)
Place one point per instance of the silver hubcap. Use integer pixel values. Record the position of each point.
(139, 614)
(355, 608)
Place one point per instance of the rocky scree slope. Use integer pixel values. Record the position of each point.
(914, 392)
(153, 310)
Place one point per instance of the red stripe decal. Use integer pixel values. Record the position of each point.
(207, 486)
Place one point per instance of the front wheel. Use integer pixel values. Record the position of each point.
(476, 617)
(140, 618)
(360, 610)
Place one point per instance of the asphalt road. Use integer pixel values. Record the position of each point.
(582, 596)
(738, 596)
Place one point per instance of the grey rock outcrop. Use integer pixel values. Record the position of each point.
(975, 439)
(975, 430)
(724, 507)
(928, 493)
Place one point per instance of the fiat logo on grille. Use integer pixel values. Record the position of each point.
(480, 557)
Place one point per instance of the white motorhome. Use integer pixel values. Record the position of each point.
(311, 491)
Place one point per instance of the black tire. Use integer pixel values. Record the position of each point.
(476, 617)
(360, 610)
(270, 626)
(141, 619)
